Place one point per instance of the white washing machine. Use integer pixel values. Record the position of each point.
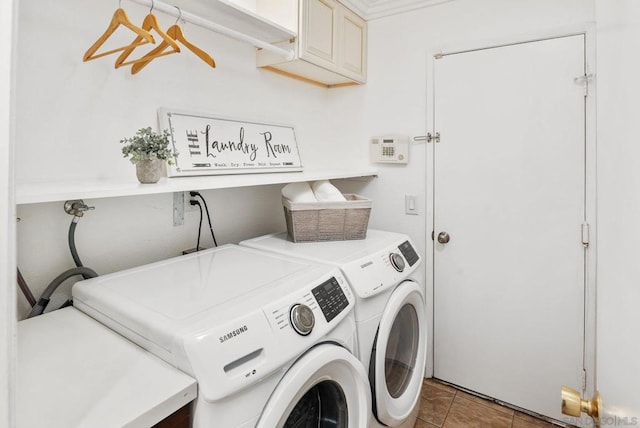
(270, 340)
(390, 313)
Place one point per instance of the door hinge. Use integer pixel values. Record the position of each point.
(585, 235)
(584, 82)
(428, 138)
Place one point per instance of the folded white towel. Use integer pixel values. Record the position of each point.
(326, 192)
(299, 192)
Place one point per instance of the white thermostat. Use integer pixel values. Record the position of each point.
(389, 150)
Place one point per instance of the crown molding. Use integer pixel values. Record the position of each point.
(373, 9)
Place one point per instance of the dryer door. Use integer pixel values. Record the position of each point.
(327, 388)
(396, 369)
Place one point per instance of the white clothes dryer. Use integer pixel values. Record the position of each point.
(269, 340)
(390, 313)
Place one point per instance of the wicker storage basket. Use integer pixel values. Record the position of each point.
(327, 221)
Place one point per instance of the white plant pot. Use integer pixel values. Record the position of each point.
(149, 171)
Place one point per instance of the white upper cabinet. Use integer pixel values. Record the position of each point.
(331, 47)
(318, 36)
(352, 58)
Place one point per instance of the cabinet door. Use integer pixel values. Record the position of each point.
(319, 32)
(353, 46)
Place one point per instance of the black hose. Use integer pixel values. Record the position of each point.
(42, 303)
(206, 208)
(72, 244)
(26, 290)
(199, 225)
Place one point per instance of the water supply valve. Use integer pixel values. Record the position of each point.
(76, 207)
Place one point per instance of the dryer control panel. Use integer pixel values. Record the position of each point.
(383, 269)
(409, 253)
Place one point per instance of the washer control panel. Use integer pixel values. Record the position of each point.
(330, 298)
(409, 252)
(314, 310)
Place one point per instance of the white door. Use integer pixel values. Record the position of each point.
(510, 192)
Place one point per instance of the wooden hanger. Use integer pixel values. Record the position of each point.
(119, 18)
(150, 23)
(175, 32)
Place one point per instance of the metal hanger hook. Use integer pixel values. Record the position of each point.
(179, 14)
(151, 10)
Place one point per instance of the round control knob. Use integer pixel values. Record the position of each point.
(397, 261)
(302, 319)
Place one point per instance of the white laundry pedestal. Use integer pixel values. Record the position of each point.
(73, 371)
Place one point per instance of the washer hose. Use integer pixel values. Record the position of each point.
(72, 244)
(42, 303)
(26, 290)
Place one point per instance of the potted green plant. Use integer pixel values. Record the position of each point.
(148, 151)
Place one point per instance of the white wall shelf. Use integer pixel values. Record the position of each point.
(53, 191)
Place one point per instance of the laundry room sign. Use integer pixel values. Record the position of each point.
(212, 145)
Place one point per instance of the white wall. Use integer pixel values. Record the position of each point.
(71, 116)
(618, 207)
(7, 220)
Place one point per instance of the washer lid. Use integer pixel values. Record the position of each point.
(365, 262)
(335, 252)
(163, 300)
(182, 287)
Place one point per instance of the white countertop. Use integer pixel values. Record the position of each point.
(75, 372)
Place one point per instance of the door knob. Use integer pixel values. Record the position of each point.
(574, 405)
(443, 237)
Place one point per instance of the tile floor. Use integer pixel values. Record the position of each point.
(447, 407)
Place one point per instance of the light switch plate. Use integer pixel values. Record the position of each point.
(410, 205)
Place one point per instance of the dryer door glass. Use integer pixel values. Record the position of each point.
(323, 406)
(402, 350)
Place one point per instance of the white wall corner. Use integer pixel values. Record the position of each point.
(7, 218)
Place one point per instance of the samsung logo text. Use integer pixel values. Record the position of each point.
(234, 333)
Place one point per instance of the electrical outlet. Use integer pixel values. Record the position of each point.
(187, 206)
